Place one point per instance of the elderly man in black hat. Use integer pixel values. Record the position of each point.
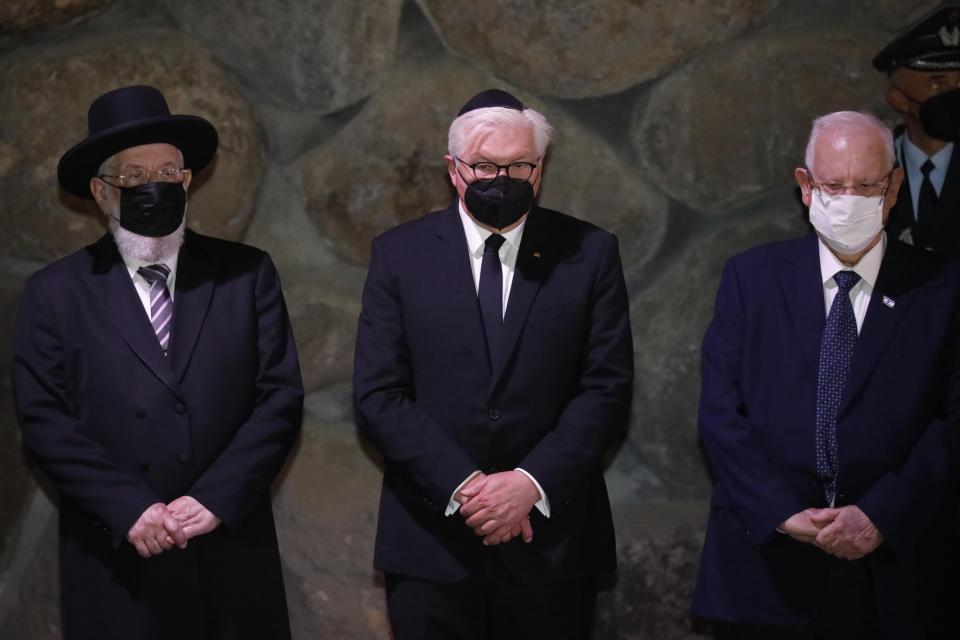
(157, 385)
(493, 368)
(923, 64)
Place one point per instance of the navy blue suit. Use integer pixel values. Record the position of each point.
(552, 400)
(897, 428)
(117, 427)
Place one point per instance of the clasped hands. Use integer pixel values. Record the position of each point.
(163, 526)
(844, 532)
(497, 506)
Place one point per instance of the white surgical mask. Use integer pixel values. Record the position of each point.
(846, 223)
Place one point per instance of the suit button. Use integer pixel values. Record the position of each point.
(183, 458)
(141, 414)
(494, 414)
(142, 464)
(180, 408)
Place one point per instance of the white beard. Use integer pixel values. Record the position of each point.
(145, 248)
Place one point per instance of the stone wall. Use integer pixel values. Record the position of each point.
(678, 126)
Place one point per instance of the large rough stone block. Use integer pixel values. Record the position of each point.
(26, 16)
(326, 510)
(44, 96)
(658, 552)
(661, 457)
(585, 49)
(324, 317)
(353, 194)
(320, 55)
(724, 128)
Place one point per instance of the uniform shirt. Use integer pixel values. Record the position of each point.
(913, 158)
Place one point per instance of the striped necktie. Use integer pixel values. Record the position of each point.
(161, 306)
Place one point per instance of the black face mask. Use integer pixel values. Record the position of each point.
(940, 116)
(154, 209)
(500, 202)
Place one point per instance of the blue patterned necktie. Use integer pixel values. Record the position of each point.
(490, 292)
(161, 306)
(836, 352)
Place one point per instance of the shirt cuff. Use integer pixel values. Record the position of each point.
(542, 505)
(452, 505)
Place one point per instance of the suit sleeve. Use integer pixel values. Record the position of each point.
(48, 411)
(385, 395)
(597, 413)
(243, 473)
(758, 491)
(906, 500)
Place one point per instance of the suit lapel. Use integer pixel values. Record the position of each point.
(889, 303)
(112, 286)
(196, 278)
(803, 290)
(456, 277)
(533, 260)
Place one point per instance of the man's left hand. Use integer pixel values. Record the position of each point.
(851, 535)
(503, 501)
(195, 519)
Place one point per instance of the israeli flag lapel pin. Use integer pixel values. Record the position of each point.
(888, 301)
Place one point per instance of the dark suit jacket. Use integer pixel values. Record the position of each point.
(897, 429)
(118, 427)
(551, 402)
(943, 234)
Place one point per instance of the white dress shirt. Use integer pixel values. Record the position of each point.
(867, 268)
(476, 239)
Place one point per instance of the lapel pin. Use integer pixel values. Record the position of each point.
(887, 301)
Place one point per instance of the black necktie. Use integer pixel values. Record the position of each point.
(926, 204)
(836, 352)
(490, 292)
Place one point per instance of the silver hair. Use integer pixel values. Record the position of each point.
(465, 126)
(853, 120)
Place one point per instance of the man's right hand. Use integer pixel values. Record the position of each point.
(156, 531)
(801, 526)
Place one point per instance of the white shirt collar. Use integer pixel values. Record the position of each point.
(867, 268)
(477, 235)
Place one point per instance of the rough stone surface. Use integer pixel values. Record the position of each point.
(321, 55)
(44, 95)
(661, 457)
(895, 15)
(29, 587)
(733, 123)
(628, 42)
(324, 317)
(326, 510)
(26, 16)
(657, 572)
(586, 178)
(353, 195)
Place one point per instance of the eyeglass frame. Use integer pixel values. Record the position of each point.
(506, 168)
(179, 172)
(856, 189)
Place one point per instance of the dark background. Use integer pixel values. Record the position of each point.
(678, 125)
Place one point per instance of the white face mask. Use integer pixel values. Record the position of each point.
(846, 223)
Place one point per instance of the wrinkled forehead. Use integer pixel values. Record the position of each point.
(858, 153)
(148, 155)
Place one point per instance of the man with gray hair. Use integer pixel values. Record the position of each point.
(494, 366)
(829, 413)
